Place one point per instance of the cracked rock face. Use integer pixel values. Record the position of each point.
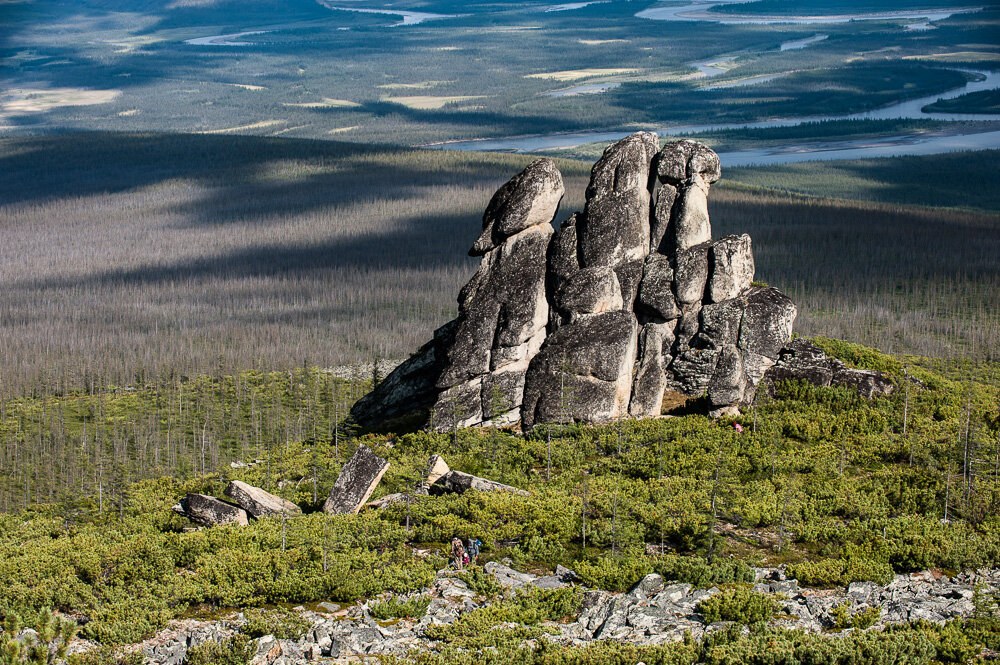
(628, 299)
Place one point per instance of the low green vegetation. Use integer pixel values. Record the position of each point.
(844, 617)
(527, 608)
(280, 622)
(394, 608)
(837, 487)
(236, 650)
(739, 604)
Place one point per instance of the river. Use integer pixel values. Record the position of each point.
(698, 11)
(883, 147)
(224, 40)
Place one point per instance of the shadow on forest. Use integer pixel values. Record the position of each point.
(417, 243)
(238, 170)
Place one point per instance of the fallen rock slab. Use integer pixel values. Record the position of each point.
(458, 482)
(257, 502)
(209, 511)
(356, 482)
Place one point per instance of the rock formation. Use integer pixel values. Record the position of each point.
(356, 482)
(628, 299)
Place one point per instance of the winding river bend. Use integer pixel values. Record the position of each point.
(883, 147)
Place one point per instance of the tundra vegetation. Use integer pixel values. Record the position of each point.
(836, 487)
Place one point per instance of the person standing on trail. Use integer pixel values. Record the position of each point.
(458, 552)
(473, 549)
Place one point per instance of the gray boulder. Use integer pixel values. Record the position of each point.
(656, 298)
(589, 291)
(209, 511)
(356, 482)
(731, 267)
(687, 169)
(257, 502)
(458, 482)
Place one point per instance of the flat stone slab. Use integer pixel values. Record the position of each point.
(356, 482)
(257, 502)
(459, 482)
(209, 511)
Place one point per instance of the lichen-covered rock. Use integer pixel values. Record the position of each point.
(731, 267)
(656, 297)
(655, 340)
(691, 273)
(531, 197)
(209, 511)
(583, 372)
(690, 168)
(257, 502)
(356, 482)
(589, 291)
(767, 322)
(457, 482)
(614, 229)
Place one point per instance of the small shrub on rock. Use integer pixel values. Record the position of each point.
(237, 650)
(739, 604)
(394, 608)
(281, 623)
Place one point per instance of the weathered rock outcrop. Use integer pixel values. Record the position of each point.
(803, 360)
(257, 502)
(628, 299)
(356, 482)
(655, 611)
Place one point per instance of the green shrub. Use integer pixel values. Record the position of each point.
(106, 656)
(282, 623)
(844, 618)
(739, 604)
(237, 650)
(700, 573)
(53, 637)
(528, 607)
(479, 582)
(393, 608)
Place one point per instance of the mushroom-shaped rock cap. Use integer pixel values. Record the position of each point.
(681, 161)
(529, 198)
(624, 166)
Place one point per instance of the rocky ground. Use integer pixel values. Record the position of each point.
(653, 612)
